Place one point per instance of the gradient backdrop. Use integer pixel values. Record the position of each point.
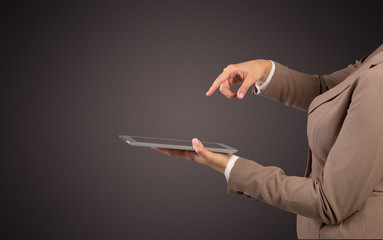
(76, 75)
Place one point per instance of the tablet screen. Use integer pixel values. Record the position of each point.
(174, 144)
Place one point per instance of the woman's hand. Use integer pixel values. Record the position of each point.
(246, 73)
(217, 161)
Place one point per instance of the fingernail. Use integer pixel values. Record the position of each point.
(195, 142)
(241, 95)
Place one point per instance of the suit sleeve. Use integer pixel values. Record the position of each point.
(351, 172)
(297, 89)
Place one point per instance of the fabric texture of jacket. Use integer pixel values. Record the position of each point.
(341, 194)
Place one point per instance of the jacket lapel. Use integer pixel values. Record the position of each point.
(329, 95)
(378, 58)
(375, 58)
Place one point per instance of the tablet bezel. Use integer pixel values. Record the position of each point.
(130, 140)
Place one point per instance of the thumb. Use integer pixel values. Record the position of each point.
(200, 149)
(243, 89)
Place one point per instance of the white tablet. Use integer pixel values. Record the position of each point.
(175, 144)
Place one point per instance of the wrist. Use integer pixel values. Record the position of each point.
(221, 163)
(267, 66)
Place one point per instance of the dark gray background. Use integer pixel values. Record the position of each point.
(75, 76)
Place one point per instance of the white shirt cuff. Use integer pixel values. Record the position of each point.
(261, 87)
(230, 165)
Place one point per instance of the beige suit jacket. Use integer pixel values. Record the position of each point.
(341, 195)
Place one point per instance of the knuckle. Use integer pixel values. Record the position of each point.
(230, 66)
(198, 151)
(227, 94)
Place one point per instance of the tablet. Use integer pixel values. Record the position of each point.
(175, 144)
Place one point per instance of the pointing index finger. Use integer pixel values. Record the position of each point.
(220, 79)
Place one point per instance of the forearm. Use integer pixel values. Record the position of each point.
(292, 88)
(297, 195)
(297, 89)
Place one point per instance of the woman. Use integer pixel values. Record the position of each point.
(341, 195)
